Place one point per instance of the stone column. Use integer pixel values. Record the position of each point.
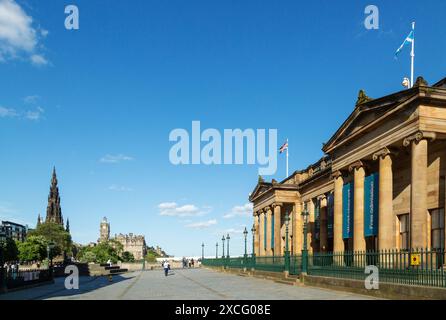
(338, 242)
(269, 220)
(262, 235)
(323, 222)
(298, 228)
(418, 188)
(358, 206)
(256, 233)
(386, 231)
(311, 229)
(277, 229)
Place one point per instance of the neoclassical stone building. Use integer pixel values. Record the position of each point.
(380, 185)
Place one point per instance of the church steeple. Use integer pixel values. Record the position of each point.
(53, 210)
(67, 229)
(39, 220)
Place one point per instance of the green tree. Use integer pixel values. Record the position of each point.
(55, 233)
(10, 251)
(101, 253)
(127, 257)
(33, 248)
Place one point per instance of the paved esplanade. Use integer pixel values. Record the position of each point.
(183, 284)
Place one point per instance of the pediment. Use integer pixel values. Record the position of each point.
(366, 113)
(260, 188)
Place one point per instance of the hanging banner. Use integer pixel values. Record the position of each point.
(330, 215)
(371, 203)
(317, 219)
(347, 211)
(272, 231)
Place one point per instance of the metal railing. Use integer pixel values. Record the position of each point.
(14, 279)
(415, 267)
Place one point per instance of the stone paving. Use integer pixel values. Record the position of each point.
(181, 284)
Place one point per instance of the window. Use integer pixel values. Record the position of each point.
(404, 231)
(437, 228)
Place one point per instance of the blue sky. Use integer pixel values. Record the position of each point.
(99, 102)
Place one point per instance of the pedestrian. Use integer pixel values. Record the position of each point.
(193, 262)
(166, 268)
(109, 262)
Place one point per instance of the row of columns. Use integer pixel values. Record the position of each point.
(418, 199)
(263, 225)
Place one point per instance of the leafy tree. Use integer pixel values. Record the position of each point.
(101, 253)
(55, 233)
(33, 248)
(88, 257)
(127, 257)
(10, 251)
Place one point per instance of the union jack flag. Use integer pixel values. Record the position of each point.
(284, 147)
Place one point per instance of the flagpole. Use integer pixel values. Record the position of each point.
(412, 55)
(287, 158)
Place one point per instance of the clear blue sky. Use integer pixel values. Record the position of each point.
(135, 70)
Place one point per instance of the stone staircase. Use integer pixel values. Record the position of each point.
(105, 270)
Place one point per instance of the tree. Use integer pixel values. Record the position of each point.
(55, 233)
(101, 253)
(127, 257)
(33, 248)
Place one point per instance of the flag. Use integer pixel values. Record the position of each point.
(408, 40)
(284, 147)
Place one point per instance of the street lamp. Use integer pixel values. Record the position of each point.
(223, 247)
(245, 233)
(202, 251)
(287, 252)
(253, 231)
(227, 238)
(216, 250)
(305, 215)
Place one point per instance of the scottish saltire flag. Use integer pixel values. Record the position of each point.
(284, 147)
(407, 41)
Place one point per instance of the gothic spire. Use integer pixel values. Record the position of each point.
(53, 210)
(68, 226)
(38, 220)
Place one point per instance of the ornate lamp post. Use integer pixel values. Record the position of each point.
(227, 238)
(245, 233)
(287, 251)
(253, 231)
(305, 215)
(202, 252)
(216, 250)
(223, 247)
(2, 275)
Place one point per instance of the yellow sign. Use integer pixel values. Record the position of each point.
(415, 259)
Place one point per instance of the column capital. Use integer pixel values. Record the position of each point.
(336, 174)
(321, 197)
(356, 165)
(277, 204)
(384, 152)
(418, 136)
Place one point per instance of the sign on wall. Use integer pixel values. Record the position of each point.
(347, 211)
(330, 214)
(371, 194)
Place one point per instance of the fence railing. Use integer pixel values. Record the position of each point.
(14, 279)
(415, 267)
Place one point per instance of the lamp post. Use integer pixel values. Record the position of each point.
(202, 252)
(216, 250)
(305, 215)
(223, 247)
(287, 251)
(253, 231)
(227, 238)
(245, 233)
(2, 275)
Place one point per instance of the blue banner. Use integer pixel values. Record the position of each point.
(317, 219)
(264, 229)
(371, 203)
(272, 230)
(347, 211)
(330, 215)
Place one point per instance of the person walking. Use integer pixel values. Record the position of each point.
(166, 268)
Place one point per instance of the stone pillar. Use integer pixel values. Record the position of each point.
(323, 221)
(277, 229)
(311, 229)
(269, 220)
(358, 206)
(386, 230)
(418, 188)
(256, 233)
(338, 242)
(262, 235)
(298, 228)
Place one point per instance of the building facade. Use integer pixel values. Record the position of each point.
(135, 244)
(14, 230)
(381, 184)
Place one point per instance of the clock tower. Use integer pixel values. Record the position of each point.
(104, 231)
